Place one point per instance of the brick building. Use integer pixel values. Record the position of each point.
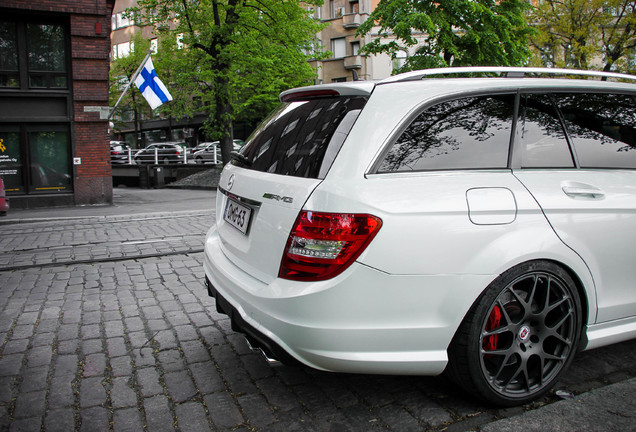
(54, 62)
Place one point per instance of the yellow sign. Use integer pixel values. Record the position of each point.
(2, 147)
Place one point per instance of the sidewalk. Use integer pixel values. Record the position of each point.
(610, 408)
(606, 407)
(126, 202)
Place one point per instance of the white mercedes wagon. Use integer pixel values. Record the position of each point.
(435, 221)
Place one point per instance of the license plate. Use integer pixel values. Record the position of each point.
(237, 215)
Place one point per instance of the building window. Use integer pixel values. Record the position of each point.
(49, 151)
(9, 72)
(11, 160)
(40, 48)
(47, 147)
(355, 48)
(316, 13)
(119, 20)
(123, 50)
(339, 47)
(355, 6)
(46, 56)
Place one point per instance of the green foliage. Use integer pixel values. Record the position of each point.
(236, 56)
(451, 32)
(581, 33)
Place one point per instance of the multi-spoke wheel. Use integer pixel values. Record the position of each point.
(519, 336)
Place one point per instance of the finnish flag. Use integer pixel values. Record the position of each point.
(151, 86)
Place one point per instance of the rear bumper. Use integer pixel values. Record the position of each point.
(363, 321)
(256, 339)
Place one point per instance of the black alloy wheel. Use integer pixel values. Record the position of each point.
(519, 336)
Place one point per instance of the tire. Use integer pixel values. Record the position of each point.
(519, 336)
(165, 161)
(198, 160)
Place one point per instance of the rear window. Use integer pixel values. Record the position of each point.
(468, 133)
(602, 128)
(302, 139)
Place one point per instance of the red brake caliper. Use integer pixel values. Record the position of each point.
(494, 321)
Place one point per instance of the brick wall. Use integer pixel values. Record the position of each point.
(90, 22)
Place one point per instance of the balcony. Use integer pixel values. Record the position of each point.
(351, 21)
(353, 62)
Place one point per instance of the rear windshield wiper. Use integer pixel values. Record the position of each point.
(241, 158)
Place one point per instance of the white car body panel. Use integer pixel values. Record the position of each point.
(367, 327)
(594, 212)
(397, 308)
(260, 251)
(611, 332)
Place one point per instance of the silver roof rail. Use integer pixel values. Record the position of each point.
(513, 72)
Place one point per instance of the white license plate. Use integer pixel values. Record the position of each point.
(237, 215)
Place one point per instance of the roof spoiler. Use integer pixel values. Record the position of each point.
(350, 88)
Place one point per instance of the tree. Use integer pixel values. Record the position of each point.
(451, 32)
(581, 33)
(234, 56)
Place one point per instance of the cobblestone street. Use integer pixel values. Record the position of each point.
(105, 324)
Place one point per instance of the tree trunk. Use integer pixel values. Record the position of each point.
(223, 118)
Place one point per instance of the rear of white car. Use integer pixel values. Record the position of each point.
(334, 247)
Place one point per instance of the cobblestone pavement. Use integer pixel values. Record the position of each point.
(105, 325)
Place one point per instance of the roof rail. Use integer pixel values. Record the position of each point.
(513, 72)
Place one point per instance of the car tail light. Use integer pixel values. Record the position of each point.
(323, 245)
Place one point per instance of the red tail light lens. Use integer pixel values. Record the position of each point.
(323, 245)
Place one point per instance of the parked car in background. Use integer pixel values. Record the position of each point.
(435, 222)
(163, 153)
(4, 201)
(119, 152)
(211, 152)
(192, 150)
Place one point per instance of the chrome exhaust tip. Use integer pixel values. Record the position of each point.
(269, 358)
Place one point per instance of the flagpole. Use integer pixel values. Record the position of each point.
(132, 80)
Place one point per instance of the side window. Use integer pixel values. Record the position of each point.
(602, 128)
(543, 142)
(468, 133)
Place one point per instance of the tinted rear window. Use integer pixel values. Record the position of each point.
(602, 128)
(543, 141)
(468, 133)
(302, 138)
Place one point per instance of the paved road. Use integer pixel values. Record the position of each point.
(105, 325)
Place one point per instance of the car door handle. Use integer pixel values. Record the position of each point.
(583, 192)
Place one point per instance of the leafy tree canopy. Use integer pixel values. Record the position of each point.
(451, 32)
(579, 33)
(231, 58)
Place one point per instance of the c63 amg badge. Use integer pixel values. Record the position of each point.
(275, 197)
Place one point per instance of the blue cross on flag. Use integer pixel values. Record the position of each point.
(151, 86)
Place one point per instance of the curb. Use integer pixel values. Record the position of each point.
(111, 218)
